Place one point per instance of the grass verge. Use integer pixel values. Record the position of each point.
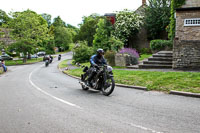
(153, 80)
(20, 62)
(63, 64)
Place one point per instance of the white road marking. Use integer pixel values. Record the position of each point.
(144, 128)
(56, 98)
(76, 106)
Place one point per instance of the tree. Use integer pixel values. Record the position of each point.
(62, 38)
(127, 25)
(88, 29)
(157, 18)
(58, 22)
(3, 17)
(47, 17)
(103, 39)
(28, 30)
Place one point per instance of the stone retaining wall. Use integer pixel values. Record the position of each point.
(186, 54)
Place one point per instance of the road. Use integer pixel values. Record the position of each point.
(39, 99)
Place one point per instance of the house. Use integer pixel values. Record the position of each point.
(186, 49)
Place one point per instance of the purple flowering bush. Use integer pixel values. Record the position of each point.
(134, 56)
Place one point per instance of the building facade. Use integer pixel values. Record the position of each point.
(186, 50)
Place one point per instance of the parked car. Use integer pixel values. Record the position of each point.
(6, 57)
(41, 53)
(34, 56)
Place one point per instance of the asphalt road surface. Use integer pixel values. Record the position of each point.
(39, 99)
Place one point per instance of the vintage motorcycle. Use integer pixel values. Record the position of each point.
(102, 81)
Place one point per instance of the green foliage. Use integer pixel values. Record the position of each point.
(127, 25)
(110, 57)
(62, 37)
(82, 53)
(4, 18)
(161, 44)
(58, 22)
(145, 51)
(28, 30)
(88, 29)
(47, 17)
(103, 39)
(157, 15)
(174, 4)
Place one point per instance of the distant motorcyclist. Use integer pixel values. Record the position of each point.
(59, 56)
(95, 61)
(51, 58)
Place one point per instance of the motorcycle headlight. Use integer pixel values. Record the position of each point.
(109, 68)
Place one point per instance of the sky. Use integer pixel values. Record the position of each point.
(70, 11)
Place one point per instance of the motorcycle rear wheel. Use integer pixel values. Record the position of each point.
(108, 90)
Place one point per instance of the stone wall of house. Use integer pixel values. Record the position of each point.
(186, 49)
(186, 54)
(191, 3)
(187, 32)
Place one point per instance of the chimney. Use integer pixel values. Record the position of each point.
(144, 2)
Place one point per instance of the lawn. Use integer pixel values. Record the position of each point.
(160, 81)
(20, 62)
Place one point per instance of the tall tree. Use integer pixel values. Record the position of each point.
(58, 22)
(28, 29)
(157, 18)
(62, 38)
(47, 17)
(88, 29)
(4, 17)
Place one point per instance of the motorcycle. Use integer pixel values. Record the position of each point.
(103, 80)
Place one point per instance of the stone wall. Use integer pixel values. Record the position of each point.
(186, 49)
(186, 54)
(187, 32)
(191, 3)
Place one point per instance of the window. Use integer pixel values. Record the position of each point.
(192, 22)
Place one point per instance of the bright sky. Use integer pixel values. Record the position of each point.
(70, 11)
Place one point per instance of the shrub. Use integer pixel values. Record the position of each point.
(134, 56)
(157, 45)
(82, 53)
(145, 51)
(110, 56)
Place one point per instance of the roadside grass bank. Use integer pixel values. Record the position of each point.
(20, 62)
(154, 80)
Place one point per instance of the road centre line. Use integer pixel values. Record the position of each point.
(56, 98)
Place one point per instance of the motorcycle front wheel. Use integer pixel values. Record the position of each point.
(108, 87)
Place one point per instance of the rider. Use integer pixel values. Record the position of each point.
(95, 61)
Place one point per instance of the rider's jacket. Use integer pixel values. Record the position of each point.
(96, 60)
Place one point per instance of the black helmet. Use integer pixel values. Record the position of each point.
(100, 51)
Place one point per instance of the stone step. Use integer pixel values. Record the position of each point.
(163, 55)
(154, 66)
(165, 52)
(158, 62)
(159, 59)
